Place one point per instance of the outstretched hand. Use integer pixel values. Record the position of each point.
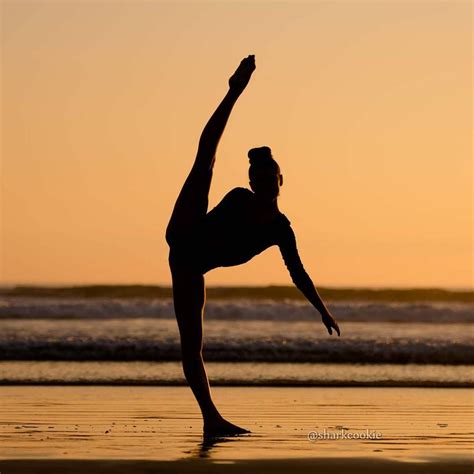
(330, 322)
(241, 77)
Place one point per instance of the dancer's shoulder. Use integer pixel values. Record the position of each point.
(284, 220)
(237, 193)
(234, 197)
(241, 190)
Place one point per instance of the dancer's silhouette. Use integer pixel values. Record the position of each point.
(241, 226)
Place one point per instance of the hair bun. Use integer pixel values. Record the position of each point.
(262, 153)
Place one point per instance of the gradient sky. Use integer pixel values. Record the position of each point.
(367, 107)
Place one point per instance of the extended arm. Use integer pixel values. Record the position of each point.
(214, 128)
(302, 280)
(305, 284)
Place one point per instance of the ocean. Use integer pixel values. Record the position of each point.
(252, 336)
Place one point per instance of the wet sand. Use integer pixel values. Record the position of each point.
(159, 429)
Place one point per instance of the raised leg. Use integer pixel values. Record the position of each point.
(192, 203)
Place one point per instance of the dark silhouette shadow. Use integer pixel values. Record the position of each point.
(242, 225)
(210, 444)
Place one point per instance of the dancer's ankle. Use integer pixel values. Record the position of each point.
(213, 418)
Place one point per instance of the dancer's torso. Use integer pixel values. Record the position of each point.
(230, 234)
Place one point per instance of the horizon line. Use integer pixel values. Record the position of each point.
(238, 285)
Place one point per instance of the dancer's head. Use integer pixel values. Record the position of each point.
(264, 173)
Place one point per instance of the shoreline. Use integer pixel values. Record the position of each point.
(237, 383)
(236, 374)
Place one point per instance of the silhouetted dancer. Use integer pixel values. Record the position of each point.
(242, 225)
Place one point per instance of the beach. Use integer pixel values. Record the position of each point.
(93, 382)
(159, 429)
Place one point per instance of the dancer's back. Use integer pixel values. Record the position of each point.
(234, 232)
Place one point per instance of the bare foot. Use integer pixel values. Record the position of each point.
(222, 428)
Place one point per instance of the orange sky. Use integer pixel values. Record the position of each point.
(367, 107)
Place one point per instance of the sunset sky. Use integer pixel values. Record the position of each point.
(367, 106)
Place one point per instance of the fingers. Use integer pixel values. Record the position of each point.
(330, 323)
(334, 325)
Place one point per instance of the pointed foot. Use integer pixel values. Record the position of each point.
(223, 428)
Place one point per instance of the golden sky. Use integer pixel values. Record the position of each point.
(367, 107)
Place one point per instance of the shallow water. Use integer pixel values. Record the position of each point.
(237, 373)
(131, 339)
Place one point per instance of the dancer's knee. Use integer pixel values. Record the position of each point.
(169, 235)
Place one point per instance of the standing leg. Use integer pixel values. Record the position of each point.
(189, 300)
(189, 296)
